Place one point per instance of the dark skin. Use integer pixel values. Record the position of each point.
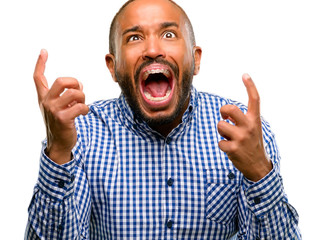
(244, 142)
(141, 36)
(152, 30)
(59, 111)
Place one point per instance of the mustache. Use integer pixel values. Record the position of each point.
(174, 68)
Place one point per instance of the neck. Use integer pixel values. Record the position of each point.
(165, 129)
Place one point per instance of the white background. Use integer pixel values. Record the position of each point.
(286, 46)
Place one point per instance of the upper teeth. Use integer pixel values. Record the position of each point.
(154, 71)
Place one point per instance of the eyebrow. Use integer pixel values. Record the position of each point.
(168, 24)
(162, 26)
(132, 29)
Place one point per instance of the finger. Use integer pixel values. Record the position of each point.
(233, 113)
(60, 84)
(226, 146)
(81, 85)
(70, 98)
(39, 77)
(226, 130)
(254, 100)
(75, 111)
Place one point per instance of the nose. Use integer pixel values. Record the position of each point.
(153, 49)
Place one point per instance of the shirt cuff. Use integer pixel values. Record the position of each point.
(264, 195)
(56, 180)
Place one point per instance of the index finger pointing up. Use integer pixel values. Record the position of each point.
(39, 77)
(254, 100)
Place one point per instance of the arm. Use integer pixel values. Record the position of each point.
(264, 211)
(60, 206)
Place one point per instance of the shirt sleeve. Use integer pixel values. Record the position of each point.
(60, 206)
(264, 210)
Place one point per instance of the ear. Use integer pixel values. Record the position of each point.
(110, 63)
(197, 58)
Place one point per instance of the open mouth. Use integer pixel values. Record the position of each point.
(156, 84)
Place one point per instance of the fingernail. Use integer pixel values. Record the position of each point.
(246, 75)
(43, 51)
(81, 85)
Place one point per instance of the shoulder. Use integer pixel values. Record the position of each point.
(209, 100)
(100, 111)
(105, 106)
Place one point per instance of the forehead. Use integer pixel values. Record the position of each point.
(149, 13)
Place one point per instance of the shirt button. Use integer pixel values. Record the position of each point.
(169, 224)
(257, 200)
(59, 228)
(168, 140)
(61, 184)
(170, 182)
(231, 176)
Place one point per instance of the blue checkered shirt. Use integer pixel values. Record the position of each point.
(126, 181)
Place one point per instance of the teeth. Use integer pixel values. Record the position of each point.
(154, 71)
(157, 99)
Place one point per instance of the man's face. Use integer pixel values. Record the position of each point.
(154, 60)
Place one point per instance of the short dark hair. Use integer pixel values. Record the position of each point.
(115, 20)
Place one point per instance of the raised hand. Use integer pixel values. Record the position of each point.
(60, 105)
(243, 142)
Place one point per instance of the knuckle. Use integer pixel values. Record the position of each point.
(60, 117)
(84, 108)
(222, 108)
(251, 129)
(70, 92)
(75, 83)
(220, 125)
(233, 108)
(233, 148)
(256, 98)
(59, 81)
(79, 107)
(242, 137)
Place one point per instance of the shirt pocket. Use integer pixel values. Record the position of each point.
(221, 193)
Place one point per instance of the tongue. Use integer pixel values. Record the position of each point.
(157, 88)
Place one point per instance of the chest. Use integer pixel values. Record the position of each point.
(178, 185)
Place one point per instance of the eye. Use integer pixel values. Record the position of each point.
(169, 35)
(133, 38)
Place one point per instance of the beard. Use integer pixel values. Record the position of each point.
(131, 96)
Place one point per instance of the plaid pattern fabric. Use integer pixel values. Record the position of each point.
(126, 181)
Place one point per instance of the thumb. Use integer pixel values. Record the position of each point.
(39, 77)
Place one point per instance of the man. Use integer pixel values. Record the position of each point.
(161, 161)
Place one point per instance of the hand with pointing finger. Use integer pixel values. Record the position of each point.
(243, 141)
(60, 105)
